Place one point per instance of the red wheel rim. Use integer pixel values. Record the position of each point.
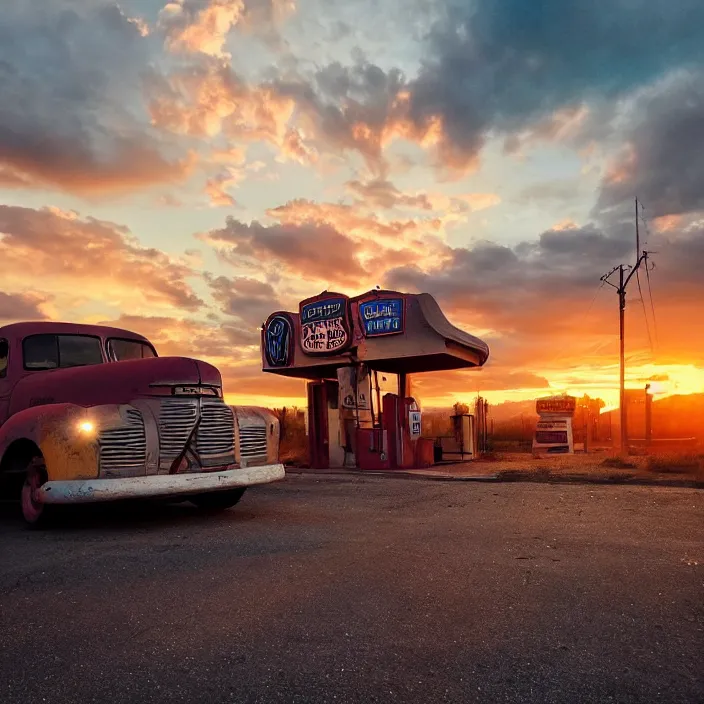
(31, 507)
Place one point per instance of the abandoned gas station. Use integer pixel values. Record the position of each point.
(358, 355)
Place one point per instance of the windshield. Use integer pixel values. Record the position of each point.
(60, 351)
(121, 350)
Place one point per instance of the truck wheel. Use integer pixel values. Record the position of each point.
(217, 500)
(36, 513)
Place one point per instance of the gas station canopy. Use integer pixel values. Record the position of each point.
(388, 331)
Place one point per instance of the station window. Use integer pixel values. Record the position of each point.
(60, 351)
(4, 354)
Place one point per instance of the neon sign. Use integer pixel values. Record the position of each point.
(325, 325)
(278, 340)
(383, 316)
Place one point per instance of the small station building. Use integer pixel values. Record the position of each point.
(358, 355)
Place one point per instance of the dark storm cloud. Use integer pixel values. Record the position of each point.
(70, 78)
(310, 249)
(351, 107)
(20, 306)
(539, 296)
(664, 163)
(524, 70)
(247, 299)
(505, 63)
(510, 288)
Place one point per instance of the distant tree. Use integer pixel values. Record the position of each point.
(460, 409)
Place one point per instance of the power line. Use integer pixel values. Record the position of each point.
(647, 273)
(640, 290)
(652, 305)
(562, 355)
(645, 314)
(596, 293)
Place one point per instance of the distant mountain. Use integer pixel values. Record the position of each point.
(500, 412)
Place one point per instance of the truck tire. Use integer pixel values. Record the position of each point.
(217, 500)
(36, 514)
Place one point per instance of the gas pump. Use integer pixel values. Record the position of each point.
(403, 424)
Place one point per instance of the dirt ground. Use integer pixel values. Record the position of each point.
(603, 466)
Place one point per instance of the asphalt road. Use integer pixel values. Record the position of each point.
(362, 590)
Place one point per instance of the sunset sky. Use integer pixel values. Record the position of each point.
(185, 168)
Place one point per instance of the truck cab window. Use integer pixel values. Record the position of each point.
(54, 351)
(121, 350)
(4, 351)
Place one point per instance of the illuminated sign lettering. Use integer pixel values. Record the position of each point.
(325, 325)
(565, 406)
(382, 316)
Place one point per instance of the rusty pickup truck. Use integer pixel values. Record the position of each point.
(90, 413)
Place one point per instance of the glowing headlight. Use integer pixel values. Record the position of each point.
(86, 427)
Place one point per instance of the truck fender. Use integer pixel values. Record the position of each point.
(69, 451)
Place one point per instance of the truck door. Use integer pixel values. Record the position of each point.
(5, 385)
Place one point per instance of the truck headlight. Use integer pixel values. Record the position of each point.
(86, 427)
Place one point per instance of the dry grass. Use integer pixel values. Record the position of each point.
(618, 463)
(293, 446)
(677, 463)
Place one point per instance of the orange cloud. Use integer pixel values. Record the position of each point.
(72, 167)
(622, 167)
(216, 187)
(565, 224)
(668, 223)
(207, 98)
(562, 125)
(89, 258)
(348, 219)
(199, 25)
(294, 148)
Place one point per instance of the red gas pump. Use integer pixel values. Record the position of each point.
(402, 434)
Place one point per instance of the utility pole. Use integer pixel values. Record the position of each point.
(622, 361)
(621, 290)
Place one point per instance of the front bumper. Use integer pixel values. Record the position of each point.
(92, 490)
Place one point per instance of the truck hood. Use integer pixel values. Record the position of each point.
(112, 382)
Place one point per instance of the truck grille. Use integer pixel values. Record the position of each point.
(252, 442)
(123, 450)
(216, 434)
(215, 440)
